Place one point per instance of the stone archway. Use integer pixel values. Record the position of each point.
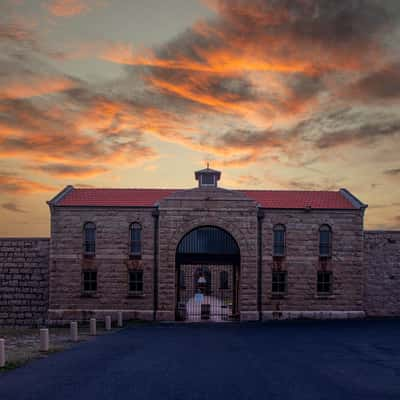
(207, 274)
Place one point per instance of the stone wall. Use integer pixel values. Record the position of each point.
(382, 263)
(371, 285)
(302, 262)
(23, 281)
(112, 262)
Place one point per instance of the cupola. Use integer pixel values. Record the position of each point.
(207, 177)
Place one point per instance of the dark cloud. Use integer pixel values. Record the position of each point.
(364, 134)
(392, 172)
(251, 139)
(10, 206)
(383, 84)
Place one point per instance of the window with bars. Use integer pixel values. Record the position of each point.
(279, 282)
(89, 239)
(136, 239)
(325, 241)
(207, 180)
(279, 240)
(324, 282)
(89, 281)
(223, 280)
(136, 281)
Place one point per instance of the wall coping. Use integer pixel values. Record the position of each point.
(382, 231)
(24, 238)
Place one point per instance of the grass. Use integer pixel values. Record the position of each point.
(22, 344)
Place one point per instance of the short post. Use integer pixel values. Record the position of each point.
(93, 326)
(120, 320)
(74, 331)
(2, 353)
(108, 323)
(44, 339)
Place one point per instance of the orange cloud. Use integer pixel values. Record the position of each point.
(37, 86)
(64, 171)
(219, 62)
(64, 135)
(14, 184)
(67, 8)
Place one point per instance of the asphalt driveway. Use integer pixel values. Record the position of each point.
(277, 360)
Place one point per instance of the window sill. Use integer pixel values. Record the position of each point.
(324, 296)
(279, 296)
(135, 295)
(135, 256)
(90, 295)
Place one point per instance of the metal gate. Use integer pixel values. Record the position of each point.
(206, 292)
(207, 275)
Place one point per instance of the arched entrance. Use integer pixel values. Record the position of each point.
(207, 275)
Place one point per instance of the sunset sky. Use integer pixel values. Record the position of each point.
(288, 94)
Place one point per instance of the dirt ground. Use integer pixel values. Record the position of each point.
(22, 344)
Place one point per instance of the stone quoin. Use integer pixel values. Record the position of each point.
(204, 253)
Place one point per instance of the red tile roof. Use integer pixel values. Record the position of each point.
(299, 199)
(115, 197)
(149, 197)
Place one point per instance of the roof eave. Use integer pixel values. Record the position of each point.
(58, 197)
(357, 203)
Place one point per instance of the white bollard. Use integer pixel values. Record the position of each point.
(2, 353)
(108, 323)
(93, 326)
(120, 320)
(44, 339)
(74, 331)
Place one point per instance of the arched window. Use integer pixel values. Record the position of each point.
(89, 238)
(136, 239)
(325, 241)
(279, 240)
(223, 280)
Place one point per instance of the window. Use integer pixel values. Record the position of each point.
(279, 279)
(223, 280)
(89, 281)
(136, 239)
(279, 240)
(325, 241)
(89, 232)
(136, 281)
(207, 180)
(324, 282)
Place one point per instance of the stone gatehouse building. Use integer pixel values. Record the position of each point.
(205, 253)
